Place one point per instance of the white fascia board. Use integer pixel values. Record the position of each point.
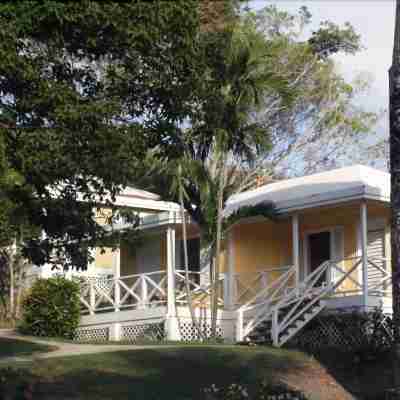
(330, 198)
(143, 204)
(152, 221)
(322, 199)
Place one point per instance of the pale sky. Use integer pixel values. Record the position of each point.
(374, 21)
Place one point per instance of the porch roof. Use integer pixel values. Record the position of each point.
(335, 186)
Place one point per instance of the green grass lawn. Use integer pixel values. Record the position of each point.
(16, 348)
(162, 373)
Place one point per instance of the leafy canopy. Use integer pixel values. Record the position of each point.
(85, 89)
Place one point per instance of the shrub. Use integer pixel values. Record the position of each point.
(51, 308)
(364, 335)
(264, 392)
(16, 384)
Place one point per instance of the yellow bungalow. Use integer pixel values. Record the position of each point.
(328, 248)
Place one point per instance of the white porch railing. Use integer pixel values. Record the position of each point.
(251, 287)
(99, 294)
(201, 292)
(255, 297)
(140, 291)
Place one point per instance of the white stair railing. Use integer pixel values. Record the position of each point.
(281, 297)
(259, 307)
(310, 294)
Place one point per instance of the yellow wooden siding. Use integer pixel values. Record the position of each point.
(265, 245)
(104, 258)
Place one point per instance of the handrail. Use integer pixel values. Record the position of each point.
(322, 292)
(282, 279)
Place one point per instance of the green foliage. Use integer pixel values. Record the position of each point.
(15, 384)
(330, 39)
(85, 89)
(363, 336)
(266, 210)
(51, 308)
(263, 392)
(324, 122)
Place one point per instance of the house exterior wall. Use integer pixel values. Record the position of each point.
(266, 245)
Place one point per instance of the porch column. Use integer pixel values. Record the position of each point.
(296, 248)
(171, 321)
(229, 287)
(117, 275)
(364, 257)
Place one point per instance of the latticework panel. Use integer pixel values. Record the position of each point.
(92, 335)
(145, 332)
(189, 332)
(345, 331)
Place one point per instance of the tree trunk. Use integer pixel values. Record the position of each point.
(394, 80)
(12, 284)
(218, 247)
(186, 263)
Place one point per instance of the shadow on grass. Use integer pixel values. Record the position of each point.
(364, 378)
(19, 348)
(175, 373)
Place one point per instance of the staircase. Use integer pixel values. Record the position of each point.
(280, 311)
(262, 334)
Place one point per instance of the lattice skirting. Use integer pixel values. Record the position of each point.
(153, 332)
(345, 331)
(92, 334)
(189, 332)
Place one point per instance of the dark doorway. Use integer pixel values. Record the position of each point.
(319, 251)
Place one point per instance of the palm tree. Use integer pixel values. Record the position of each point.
(394, 79)
(219, 147)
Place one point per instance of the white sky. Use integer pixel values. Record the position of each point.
(374, 21)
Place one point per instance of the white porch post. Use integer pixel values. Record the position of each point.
(296, 248)
(364, 257)
(117, 275)
(171, 322)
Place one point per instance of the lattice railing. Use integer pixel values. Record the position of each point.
(201, 292)
(140, 291)
(249, 287)
(132, 291)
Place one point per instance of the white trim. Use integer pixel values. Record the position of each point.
(336, 186)
(295, 247)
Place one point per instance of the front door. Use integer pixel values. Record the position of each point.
(319, 251)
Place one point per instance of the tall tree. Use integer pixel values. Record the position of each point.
(85, 89)
(325, 123)
(251, 93)
(394, 79)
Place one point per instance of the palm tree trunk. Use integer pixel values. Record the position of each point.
(186, 263)
(12, 284)
(394, 79)
(218, 247)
